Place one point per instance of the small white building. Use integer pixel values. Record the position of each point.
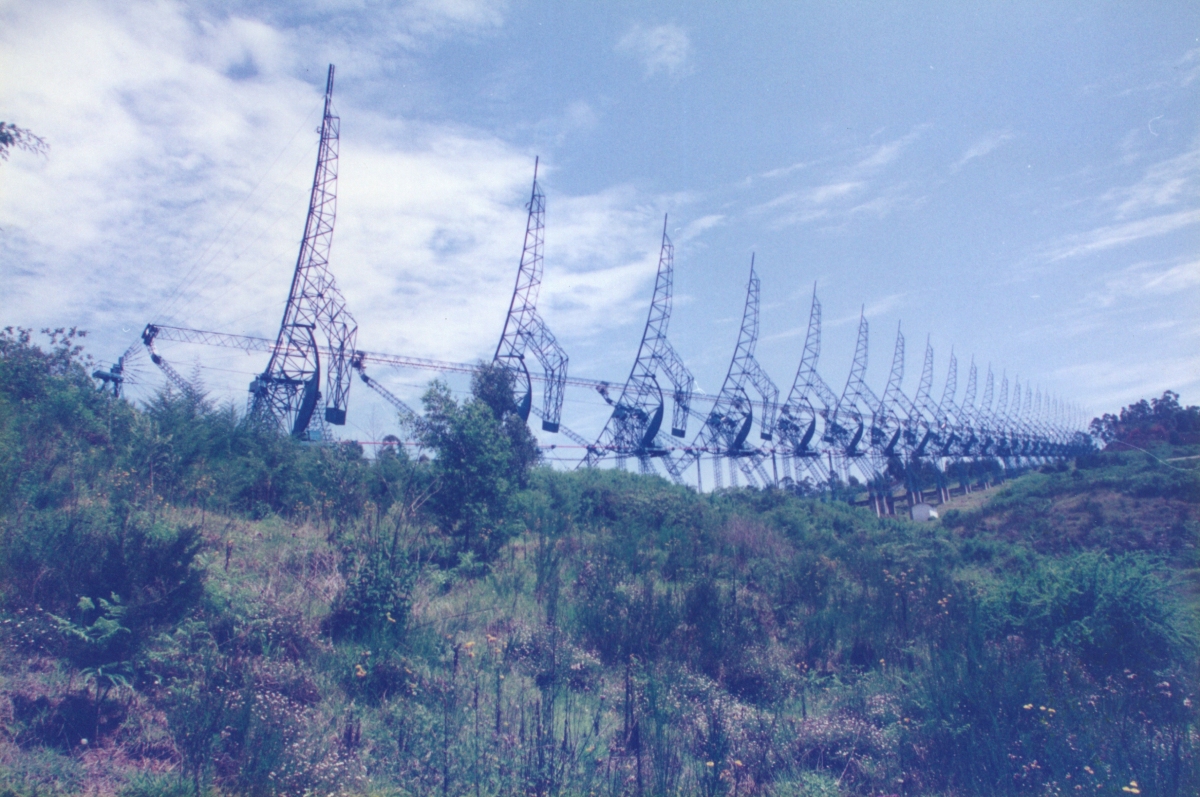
(922, 512)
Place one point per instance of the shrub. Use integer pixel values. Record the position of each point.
(68, 562)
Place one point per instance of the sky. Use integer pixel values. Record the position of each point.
(1018, 182)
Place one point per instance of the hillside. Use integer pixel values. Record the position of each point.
(194, 605)
(1119, 503)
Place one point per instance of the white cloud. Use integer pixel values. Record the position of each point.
(1173, 280)
(850, 191)
(1149, 280)
(983, 146)
(1119, 234)
(663, 48)
(698, 226)
(885, 154)
(177, 184)
(1171, 182)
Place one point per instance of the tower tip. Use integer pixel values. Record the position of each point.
(328, 88)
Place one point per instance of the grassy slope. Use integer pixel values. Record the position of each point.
(498, 680)
(1128, 502)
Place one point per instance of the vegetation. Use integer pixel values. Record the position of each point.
(191, 605)
(12, 136)
(1147, 422)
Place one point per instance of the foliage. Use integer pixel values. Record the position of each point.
(495, 385)
(219, 609)
(483, 451)
(1114, 613)
(374, 605)
(59, 560)
(12, 136)
(1143, 423)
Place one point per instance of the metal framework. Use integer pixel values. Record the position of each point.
(798, 417)
(895, 428)
(634, 428)
(728, 424)
(947, 411)
(966, 414)
(855, 394)
(289, 389)
(174, 377)
(524, 329)
(823, 439)
(406, 413)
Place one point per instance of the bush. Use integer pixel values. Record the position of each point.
(67, 563)
(1117, 614)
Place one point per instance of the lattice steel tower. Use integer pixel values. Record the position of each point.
(290, 388)
(524, 329)
(634, 426)
(729, 423)
(797, 425)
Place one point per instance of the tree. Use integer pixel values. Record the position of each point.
(1157, 420)
(12, 136)
(494, 385)
(483, 452)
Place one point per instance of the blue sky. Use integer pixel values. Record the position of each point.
(1020, 181)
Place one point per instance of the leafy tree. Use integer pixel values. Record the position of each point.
(483, 453)
(12, 136)
(1157, 420)
(494, 385)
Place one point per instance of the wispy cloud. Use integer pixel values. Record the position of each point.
(1119, 234)
(854, 190)
(885, 304)
(1178, 278)
(438, 17)
(824, 194)
(1188, 67)
(698, 227)
(884, 154)
(784, 171)
(1147, 280)
(983, 146)
(359, 32)
(1171, 182)
(663, 48)
(1165, 199)
(1110, 383)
